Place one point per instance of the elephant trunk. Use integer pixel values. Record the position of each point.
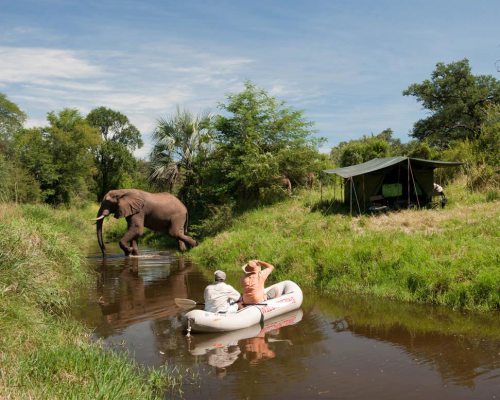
(102, 213)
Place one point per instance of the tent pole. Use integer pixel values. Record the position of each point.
(334, 186)
(357, 200)
(408, 182)
(364, 195)
(414, 186)
(350, 196)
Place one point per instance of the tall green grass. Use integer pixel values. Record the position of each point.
(44, 354)
(446, 256)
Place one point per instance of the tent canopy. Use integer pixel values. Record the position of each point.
(400, 181)
(381, 163)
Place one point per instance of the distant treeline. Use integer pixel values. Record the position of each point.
(220, 163)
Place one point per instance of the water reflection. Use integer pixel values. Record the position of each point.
(251, 344)
(128, 295)
(460, 347)
(334, 347)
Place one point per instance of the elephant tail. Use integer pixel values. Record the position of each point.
(186, 223)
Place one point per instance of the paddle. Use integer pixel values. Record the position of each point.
(187, 304)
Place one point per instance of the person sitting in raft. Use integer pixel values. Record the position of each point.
(254, 280)
(221, 297)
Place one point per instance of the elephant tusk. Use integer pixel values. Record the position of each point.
(98, 218)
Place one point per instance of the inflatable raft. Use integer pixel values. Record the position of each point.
(204, 344)
(283, 297)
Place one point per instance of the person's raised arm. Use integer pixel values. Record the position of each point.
(265, 264)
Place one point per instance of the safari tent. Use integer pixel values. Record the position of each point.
(397, 181)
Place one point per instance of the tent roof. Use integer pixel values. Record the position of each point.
(381, 163)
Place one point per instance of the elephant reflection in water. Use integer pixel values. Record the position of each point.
(124, 300)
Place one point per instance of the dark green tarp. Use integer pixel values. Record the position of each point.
(401, 181)
(381, 163)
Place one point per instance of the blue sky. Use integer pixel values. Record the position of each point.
(345, 63)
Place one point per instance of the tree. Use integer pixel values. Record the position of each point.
(113, 157)
(16, 183)
(12, 119)
(59, 156)
(259, 139)
(178, 141)
(457, 101)
(368, 147)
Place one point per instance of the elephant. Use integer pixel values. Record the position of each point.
(284, 183)
(161, 212)
(310, 177)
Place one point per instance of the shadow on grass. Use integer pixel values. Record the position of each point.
(329, 207)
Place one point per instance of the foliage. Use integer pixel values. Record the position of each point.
(59, 156)
(16, 184)
(260, 139)
(113, 157)
(44, 353)
(12, 119)
(480, 157)
(488, 144)
(425, 256)
(178, 142)
(457, 101)
(361, 150)
(421, 149)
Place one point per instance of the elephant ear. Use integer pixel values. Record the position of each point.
(130, 203)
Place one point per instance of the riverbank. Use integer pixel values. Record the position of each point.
(441, 256)
(44, 353)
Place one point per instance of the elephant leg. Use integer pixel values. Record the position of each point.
(135, 247)
(183, 240)
(128, 242)
(125, 244)
(182, 245)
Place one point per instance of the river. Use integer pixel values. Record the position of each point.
(334, 347)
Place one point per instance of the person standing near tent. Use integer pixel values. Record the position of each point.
(253, 281)
(221, 297)
(438, 190)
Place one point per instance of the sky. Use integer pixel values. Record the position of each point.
(344, 63)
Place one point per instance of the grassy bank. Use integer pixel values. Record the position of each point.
(443, 256)
(43, 352)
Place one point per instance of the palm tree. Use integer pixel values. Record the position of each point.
(177, 143)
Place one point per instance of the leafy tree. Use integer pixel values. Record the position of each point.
(257, 137)
(421, 149)
(59, 156)
(16, 184)
(178, 141)
(113, 157)
(12, 119)
(488, 145)
(457, 101)
(368, 147)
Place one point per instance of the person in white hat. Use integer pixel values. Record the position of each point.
(253, 281)
(219, 296)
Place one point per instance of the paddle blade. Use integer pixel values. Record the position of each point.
(186, 304)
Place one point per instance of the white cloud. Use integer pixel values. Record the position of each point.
(37, 65)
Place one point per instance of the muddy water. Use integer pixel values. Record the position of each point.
(333, 348)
